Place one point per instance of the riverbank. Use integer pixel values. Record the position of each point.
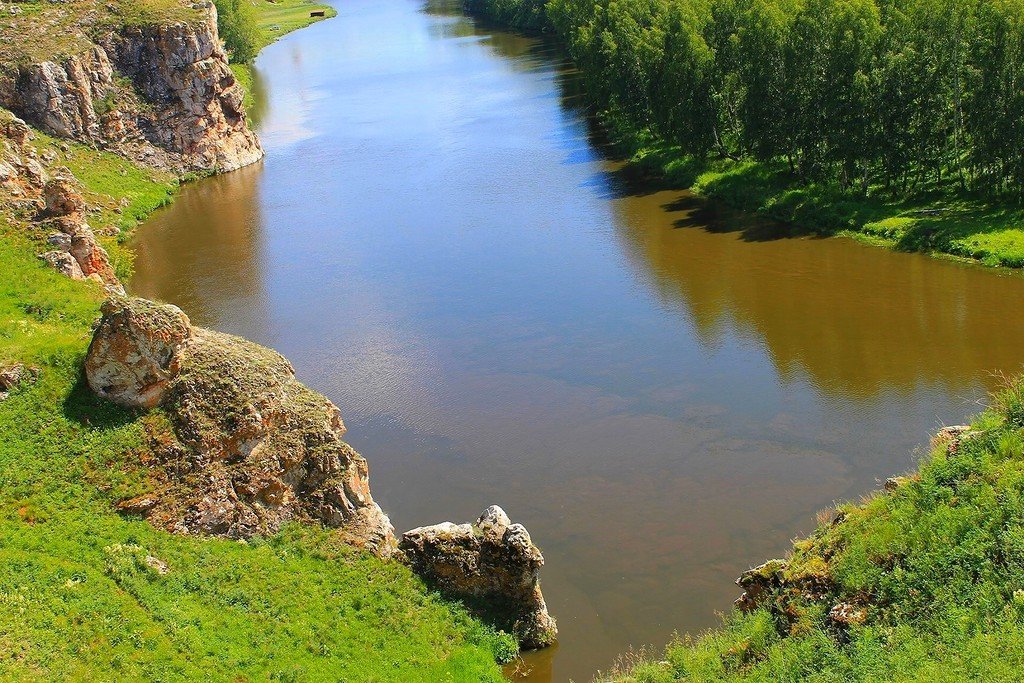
(962, 227)
(918, 582)
(90, 593)
(272, 21)
(939, 219)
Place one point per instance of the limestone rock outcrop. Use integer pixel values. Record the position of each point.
(161, 94)
(951, 437)
(136, 351)
(492, 566)
(21, 174)
(58, 98)
(251, 447)
(76, 253)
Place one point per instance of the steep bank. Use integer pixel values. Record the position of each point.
(711, 96)
(93, 591)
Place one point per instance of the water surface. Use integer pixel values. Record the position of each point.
(663, 393)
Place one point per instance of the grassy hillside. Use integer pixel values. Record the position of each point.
(88, 594)
(937, 565)
(83, 590)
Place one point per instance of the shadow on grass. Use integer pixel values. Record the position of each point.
(970, 229)
(91, 411)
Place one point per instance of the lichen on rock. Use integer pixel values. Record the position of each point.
(252, 447)
(492, 566)
(136, 351)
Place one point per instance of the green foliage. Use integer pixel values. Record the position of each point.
(236, 23)
(524, 15)
(833, 115)
(275, 19)
(861, 94)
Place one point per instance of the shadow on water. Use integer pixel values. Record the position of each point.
(715, 217)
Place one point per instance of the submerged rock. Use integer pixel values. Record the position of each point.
(493, 566)
(252, 447)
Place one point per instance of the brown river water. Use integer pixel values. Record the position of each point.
(662, 392)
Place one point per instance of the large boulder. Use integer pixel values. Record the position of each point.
(492, 566)
(136, 351)
(63, 196)
(252, 447)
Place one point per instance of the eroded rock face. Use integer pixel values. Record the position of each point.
(62, 197)
(252, 447)
(21, 174)
(181, 111)
(492, 566)
(759, 583)
(951, 437)
(58, 98)
(74, 250)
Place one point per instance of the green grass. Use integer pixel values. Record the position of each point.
(43, 30)
(959, 226)
(244, 75)
(78, 600)
(939, 562)
(275, 19)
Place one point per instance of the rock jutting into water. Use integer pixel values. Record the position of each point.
(162, 95)
(250, 448)
(490, 565)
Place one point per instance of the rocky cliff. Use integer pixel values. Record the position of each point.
(159, 93)
(250, 448)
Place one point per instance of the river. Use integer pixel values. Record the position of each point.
(664, 393)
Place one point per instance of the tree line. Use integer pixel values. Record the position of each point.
(907, 95)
